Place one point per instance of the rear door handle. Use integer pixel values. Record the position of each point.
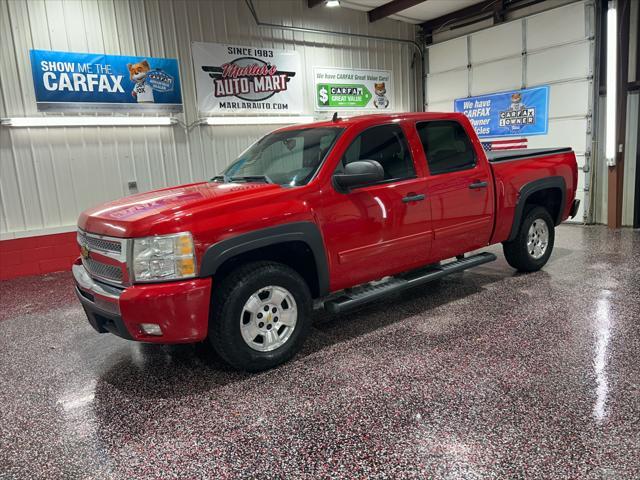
(413, 198)
(478, 184)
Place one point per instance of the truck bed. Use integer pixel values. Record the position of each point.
(519, 154)
(513, 169)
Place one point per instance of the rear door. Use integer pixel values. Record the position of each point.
(459, 188)
(383, 228)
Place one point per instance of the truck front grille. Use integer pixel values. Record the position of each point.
(101, 244)
(103, 270)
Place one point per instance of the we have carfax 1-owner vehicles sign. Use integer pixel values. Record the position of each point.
(67, 80)
(246, 80)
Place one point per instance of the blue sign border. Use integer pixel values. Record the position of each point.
(485, 112)
(96, 81)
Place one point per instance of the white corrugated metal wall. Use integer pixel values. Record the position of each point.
(47, 176)
(552, 48)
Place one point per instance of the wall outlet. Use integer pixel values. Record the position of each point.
(133, 187)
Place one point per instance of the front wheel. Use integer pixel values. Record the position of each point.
(532, 247)
(260, 316)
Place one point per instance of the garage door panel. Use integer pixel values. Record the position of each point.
(569, 99)
(563, 133)
(448, 55)
(446, 106)
(560, 25)
(447, 86)
(561, 63)
(496, 76)
(497, 42)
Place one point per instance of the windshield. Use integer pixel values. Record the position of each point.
(288, 158)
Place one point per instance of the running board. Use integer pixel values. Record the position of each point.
(367, 293)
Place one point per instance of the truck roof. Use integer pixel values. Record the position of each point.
(375, 118)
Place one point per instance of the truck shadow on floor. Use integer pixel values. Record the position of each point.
(173, 371)
(150, 382)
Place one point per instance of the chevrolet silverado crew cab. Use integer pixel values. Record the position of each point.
(332, 214)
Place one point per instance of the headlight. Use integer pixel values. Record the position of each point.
(164, 257)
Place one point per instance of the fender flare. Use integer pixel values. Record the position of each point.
(529, 189)
(306, 232)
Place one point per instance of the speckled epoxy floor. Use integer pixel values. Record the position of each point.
(487, 375)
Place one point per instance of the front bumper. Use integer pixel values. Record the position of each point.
(181, 308)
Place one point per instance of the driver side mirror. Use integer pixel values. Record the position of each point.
(357, 174)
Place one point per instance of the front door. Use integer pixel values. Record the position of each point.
(379, 229)
(460, 189)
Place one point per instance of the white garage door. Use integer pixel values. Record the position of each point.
(554, 48)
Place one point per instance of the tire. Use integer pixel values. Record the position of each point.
(238, 319)
(531, 257)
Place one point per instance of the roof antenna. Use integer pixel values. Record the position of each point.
(335, 117)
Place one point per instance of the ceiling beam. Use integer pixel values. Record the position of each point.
(391, 8)
(462, 14)
(314, 3)
(489, 8)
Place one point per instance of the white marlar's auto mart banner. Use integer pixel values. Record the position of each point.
(353, 89)
(235, 79)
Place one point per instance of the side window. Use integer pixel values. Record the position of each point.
(446, 146)
(385, 144)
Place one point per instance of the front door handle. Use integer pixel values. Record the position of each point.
(478, 184)
(412, 197)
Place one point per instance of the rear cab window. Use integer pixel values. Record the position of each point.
(447, 146)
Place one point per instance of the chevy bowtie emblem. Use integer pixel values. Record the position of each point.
(84, 251)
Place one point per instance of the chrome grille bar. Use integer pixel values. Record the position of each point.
(115, 248)
(103, 270)
(109, 246)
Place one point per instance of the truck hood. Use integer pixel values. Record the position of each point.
(135, 215)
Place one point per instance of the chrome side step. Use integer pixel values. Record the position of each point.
(367, 293)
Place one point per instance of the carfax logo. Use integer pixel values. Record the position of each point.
(248, 78)
(145, 81)
(518, 114)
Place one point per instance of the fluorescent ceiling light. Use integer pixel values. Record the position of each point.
(86, 121)
(610, 129)
(229, 120)
(332, 3)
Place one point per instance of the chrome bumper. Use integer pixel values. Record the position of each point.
(84, 281)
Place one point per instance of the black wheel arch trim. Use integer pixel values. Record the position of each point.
(306, 232)
(529, 189)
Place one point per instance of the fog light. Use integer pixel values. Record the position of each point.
(151, 328)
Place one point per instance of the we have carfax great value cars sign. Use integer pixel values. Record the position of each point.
(505, 114)
(65, 80)
(246, 80)
(353, 89)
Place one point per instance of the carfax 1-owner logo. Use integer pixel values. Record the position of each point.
(65, 79)
(519, 112)
(240, 79)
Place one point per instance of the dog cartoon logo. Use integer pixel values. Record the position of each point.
(142, 90)
(516, 102)
(380, 91)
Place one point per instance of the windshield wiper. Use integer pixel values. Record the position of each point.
(224, 178)
(252, 178)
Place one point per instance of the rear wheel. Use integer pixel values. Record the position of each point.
(532, 247)
(260, 316)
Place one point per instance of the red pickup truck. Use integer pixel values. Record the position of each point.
(335, 213)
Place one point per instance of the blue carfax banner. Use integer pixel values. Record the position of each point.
(505, 114)
(66, 80)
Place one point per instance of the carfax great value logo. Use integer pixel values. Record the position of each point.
(65, 79)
